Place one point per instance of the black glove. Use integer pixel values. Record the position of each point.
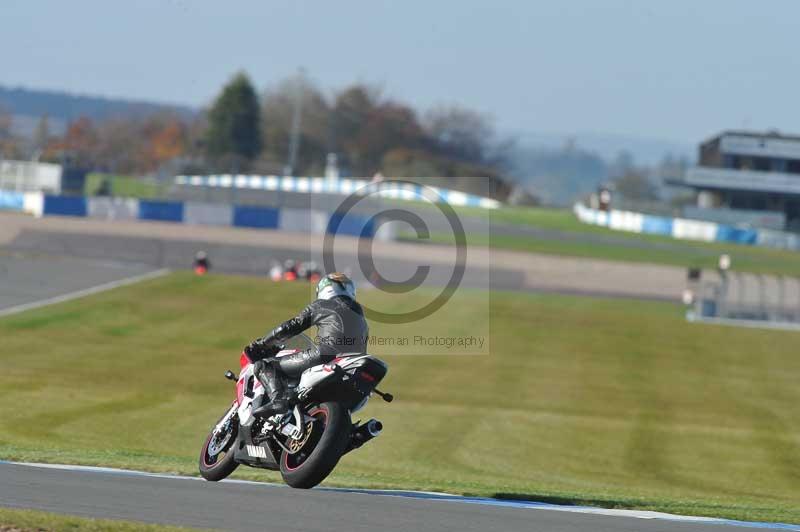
(261, 348)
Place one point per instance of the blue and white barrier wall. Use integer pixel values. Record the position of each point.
(685, 229)
(30, 202)
(190, 212)
(345, 187)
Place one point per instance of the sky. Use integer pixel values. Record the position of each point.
(677, 70)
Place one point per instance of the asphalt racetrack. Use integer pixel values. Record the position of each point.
(27, 277)
(251, 251)
(246, 506)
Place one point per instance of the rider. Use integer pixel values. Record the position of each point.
(341, 328)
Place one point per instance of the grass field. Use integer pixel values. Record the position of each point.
(604, 402)
(542, 217)
(576, 239)
(124, 186)
(34, 521)
(679, 253)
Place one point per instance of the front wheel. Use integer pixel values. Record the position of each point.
(313, 458)
(216, 458)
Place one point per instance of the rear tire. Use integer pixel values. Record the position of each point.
(304, 472)
(219, 466)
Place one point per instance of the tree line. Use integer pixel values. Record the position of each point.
(291, 126)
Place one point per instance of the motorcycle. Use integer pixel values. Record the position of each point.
(306, 443)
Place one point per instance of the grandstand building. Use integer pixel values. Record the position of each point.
(747, 178)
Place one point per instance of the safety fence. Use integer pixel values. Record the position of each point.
(189, 212)
(683, 228)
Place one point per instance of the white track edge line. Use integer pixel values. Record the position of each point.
(445, 497)
(83, 293)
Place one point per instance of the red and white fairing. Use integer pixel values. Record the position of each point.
(309, 379)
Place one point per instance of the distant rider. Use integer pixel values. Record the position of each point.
(201, 264)
(341, 328)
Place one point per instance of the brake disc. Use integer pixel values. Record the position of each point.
(294, 445)
(219, 441)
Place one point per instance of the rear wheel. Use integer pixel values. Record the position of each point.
(216, 458)
(313, 458)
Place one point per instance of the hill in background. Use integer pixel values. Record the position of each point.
(28, 105)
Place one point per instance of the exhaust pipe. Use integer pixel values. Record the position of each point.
(363, 433)
(374, 427)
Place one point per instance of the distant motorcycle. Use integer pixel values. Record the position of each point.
(306, 443)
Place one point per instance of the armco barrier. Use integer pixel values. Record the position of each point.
(351, 225)
(314, 221)
(64, 205)
(34, 203)
(778, 239)
(261, 217)
(342, 186)
(12, 201)
(657, 225)
(207, 213)
(694, 230)
(164, 211)
(726, 233)
(112, 208)
(303, 220)
(626, 221)
(686, 229)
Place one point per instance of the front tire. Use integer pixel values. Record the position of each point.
(216, 458)
(329, 436)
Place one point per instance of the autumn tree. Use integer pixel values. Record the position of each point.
(167, 142)
(389, 125)
(365, 127)
(279, 105)
(459, 133)
(9, 148)
(119, 146)
(6, 123)
(81, 142)
(164, 138)
(234, 136)
(350, 110)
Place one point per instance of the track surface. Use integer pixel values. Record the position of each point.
(28, 277)
(249, 506)
(238, 250)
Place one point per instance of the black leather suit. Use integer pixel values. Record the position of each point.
(341, 328)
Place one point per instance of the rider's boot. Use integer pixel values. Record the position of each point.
(275, 390)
